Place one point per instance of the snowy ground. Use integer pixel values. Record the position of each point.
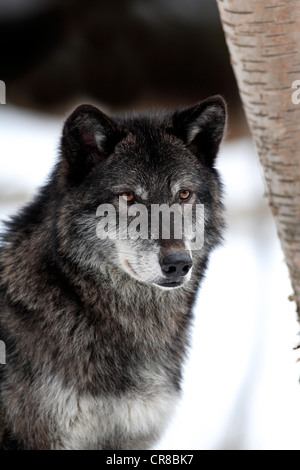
(241, 386)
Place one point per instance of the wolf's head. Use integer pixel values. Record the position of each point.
(141, 193)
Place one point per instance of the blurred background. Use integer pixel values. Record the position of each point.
(241, 387)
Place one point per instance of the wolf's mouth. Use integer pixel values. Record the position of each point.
(130, 268)
(170, 285)
(166, 284)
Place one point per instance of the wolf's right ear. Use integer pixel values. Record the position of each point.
(202, 128)
(88, 137)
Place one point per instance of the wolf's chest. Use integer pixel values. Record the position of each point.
(116, 422)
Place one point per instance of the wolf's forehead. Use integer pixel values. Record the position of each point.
(141, 191)
(145, 192)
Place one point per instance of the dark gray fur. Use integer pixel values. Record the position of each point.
(94, 355)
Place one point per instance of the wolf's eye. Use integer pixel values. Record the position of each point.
(185, 195)
(128, 197)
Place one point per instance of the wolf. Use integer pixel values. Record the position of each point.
(97, 329)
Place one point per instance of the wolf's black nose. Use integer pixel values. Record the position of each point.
(175, 264)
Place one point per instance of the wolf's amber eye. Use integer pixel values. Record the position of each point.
(128, 197)
(185, 195)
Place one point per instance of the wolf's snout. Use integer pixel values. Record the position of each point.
(176, 264)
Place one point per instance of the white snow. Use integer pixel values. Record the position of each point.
(241, 386)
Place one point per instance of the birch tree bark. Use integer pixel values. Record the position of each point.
(263, 38)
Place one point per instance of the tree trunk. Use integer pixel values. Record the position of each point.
(263, 38)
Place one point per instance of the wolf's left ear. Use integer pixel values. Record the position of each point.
(89, 136)
(202, 128)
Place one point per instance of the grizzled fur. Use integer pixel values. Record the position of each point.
(95, 347)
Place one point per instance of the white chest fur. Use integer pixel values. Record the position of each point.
(84, 422)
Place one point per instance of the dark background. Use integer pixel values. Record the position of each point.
(121, 54)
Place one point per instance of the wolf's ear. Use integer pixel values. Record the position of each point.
(202, 128)
(88, 137)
